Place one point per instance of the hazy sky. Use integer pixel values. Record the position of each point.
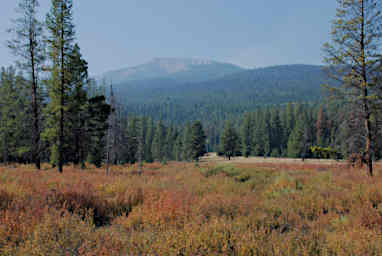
(252, 33)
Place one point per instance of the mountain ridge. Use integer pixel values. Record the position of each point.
(229, 95)
(180, 69)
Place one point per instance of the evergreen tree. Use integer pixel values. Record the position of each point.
(77, 107)
(178, 148)
(229, 141)
(309, 133)
(266, 130)
(29, 46)
(149, 141)
(60, 42)
(159, 143)
(322, 135)
(291, 120)
(302, 136)
(354, 59)
(14, 133)
(296, 139)
(187, 140)
(258, 138)
(132, 140)
(141, 142)
(247, 135)
(198, 141)
(169, 142)
(97, 123)
(276, 133)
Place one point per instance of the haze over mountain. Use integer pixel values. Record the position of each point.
(178, 69)
(181, 90)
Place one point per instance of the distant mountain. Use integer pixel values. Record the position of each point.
(177, 69)
(271, 85)
(232, 94)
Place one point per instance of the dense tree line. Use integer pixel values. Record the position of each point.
(137, 139)
(227, 98)
(86, 123)
(298, 131)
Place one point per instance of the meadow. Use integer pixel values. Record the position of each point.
(240, 208)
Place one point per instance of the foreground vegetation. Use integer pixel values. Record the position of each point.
(180, 209)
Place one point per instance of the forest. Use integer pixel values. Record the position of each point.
(53, 111)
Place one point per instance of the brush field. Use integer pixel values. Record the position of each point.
(239, 208)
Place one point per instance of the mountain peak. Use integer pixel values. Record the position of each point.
(182, 69)
(185, 61)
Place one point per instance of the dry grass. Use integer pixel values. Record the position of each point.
(212, 157)
(243, 208)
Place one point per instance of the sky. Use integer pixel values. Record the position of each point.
(116, 34)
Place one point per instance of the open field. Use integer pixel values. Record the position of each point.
(212, 157)
(240, 208)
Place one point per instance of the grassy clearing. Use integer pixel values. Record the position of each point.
(212, 157)
(180, 209)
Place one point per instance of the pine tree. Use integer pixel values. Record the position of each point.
(302, 136)
(309, 132)
(276, 133)
(132, 140)
(229, 141)
(77, 107)
(178, 148)
(296, 139)
(285, 133)
(247, 135)
(354, 58)
(159, 143)
(291, 121)
(60, 42)
(14, 134)
(198, 141)
(169, 142)
(97, 123)
(266, 130)
(114, 133)
(29, 46)
(258, 134)
(149, 141)
(322, 134)
(142, 126)
(187, 142)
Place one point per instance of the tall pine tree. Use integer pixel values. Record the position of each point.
(60, 41)
(198, 141)
(354, 57)
(229, 141)
(29, 46)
